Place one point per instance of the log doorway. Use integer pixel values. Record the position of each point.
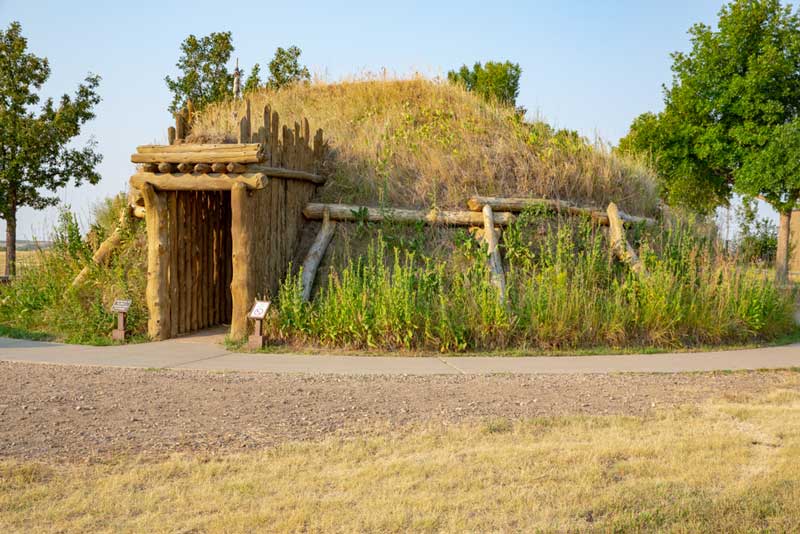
(198, 261)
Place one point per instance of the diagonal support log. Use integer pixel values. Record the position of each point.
(316, 253)
(620, 246)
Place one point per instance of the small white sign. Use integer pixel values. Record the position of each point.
(121, 306)
(259, 310)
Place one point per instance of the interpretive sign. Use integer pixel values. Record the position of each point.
(260, 309)
(258, 340)
(121, 305)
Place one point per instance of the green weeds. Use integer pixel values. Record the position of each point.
(41, 303)
(563, 292)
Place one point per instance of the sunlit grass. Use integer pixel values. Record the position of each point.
(728, 466)
(25, 259)
(418, 142)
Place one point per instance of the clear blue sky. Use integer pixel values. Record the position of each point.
(587, 65)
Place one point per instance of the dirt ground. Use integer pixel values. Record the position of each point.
(78, 413)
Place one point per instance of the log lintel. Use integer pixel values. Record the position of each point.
(198, 182)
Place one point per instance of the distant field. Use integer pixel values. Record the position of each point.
(24, 258)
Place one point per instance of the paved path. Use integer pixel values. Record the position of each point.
(200, 353)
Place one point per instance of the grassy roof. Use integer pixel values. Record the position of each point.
(425, 143)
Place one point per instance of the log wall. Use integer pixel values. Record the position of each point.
(193, 273)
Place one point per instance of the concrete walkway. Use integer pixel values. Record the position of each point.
(200, 352)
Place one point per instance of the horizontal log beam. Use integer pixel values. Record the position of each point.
(346, 212)
(518, 204)
(198, 147)
(198, 182)
(279, 172)
(186, 153)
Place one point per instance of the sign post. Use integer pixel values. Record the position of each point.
(259, 311)
(121, 308)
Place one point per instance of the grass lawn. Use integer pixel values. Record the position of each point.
(726, 466)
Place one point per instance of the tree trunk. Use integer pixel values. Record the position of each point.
(782, 254)
(11, 243)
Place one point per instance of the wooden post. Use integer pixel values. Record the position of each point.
(495, 262)
(180, 126)
(118, 334)
(316, 253)
(171, 135)
(274, 142)
(257, 339)
(157, 265)
(242, 286)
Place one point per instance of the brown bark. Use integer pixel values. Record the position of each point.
(782, 253)
(11, 243)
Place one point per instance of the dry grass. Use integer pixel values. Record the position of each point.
(727, 466)
(25, 258)
(425, 143)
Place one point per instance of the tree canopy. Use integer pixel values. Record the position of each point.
(204, 76)
(730, 116)
(285, 68)
(35, 152)
(492, 80)
(731, 97)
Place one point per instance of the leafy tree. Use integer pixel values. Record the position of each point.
(757, 238)
(253, 81)
(730, 115)
(494, 80)
(285, 68)
(204, 73)
(34, 154)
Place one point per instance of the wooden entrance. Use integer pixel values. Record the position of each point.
(223, 221)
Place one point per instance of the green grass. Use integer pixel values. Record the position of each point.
(563, 294)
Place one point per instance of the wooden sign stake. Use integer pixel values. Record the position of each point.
(121, 307)
(257, 339)
(118, 334)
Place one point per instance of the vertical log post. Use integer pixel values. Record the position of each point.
(156, 294)
(495, 262)
(242, 283)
